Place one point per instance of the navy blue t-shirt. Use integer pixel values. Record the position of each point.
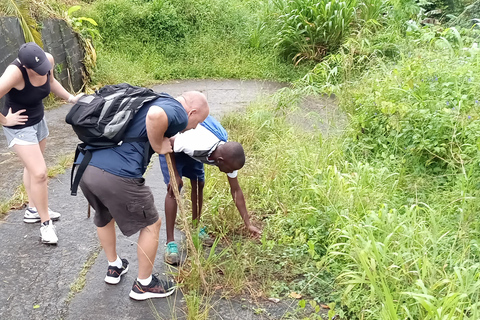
(127, 159)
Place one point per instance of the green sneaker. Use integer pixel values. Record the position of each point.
(171, 253)
(205, 237)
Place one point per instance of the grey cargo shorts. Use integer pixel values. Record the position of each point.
(127, 200)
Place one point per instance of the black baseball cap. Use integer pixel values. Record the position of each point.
(33, 57)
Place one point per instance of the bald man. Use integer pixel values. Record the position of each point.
(206, 144)
(114, 186)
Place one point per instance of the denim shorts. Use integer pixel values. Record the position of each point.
(26, 136)
(186, 167)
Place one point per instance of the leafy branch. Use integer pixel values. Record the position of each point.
(19, 9)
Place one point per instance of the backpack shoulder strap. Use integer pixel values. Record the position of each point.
(87, 156)
(74, 182)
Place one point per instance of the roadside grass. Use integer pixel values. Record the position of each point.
(17, 201)
(414, 254)
(63, 162)
(19, 197)
(189, 39)
(248, 266)
(198, 307)
(380, 220)
(203, 57)
(52, 102)
(79, 283)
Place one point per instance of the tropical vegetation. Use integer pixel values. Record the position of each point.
(377, 221)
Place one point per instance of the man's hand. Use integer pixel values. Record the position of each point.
(256, 233)
(13, 119)
(166, 146)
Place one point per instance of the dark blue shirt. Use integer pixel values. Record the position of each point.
(127, 160)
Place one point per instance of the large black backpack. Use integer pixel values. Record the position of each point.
(101, 119)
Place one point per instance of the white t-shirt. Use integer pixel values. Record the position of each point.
(199, 143)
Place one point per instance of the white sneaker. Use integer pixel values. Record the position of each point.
(31, 215)
(48, 233)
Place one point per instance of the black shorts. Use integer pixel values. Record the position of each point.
(127, 200)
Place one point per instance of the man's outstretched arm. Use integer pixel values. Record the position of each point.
(239, 199)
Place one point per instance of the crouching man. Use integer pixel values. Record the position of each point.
(206, 144)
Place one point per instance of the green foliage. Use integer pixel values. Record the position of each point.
(144, 21)
(357, 55)
(420, 113)
(392, 244)
(468, 17)
(86, 28)
(383, 220)
(414, 256)
(149, 41)
(80, 25)
(20, 9)
(282, 188)
(310, 29)
(370, 11)
(414, 264)
(404, 10)
(196, 305)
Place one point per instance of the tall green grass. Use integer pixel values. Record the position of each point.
(280, 181)
(150, 41)
(424, 112)
(415, 255)
(381, 220)
(310, 29)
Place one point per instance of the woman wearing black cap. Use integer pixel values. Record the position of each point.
(25, 83)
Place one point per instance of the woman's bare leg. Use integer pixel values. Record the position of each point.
(36, 176)
(26, 176)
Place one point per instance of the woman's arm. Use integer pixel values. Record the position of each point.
(57, 88)
(11, 78)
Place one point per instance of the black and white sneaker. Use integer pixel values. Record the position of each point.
(156, 289)
(114, 274)
(48, 233)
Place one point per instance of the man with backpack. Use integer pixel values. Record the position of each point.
(113, 185)
(207, 143)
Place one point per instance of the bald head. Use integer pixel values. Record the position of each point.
(196, 105)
